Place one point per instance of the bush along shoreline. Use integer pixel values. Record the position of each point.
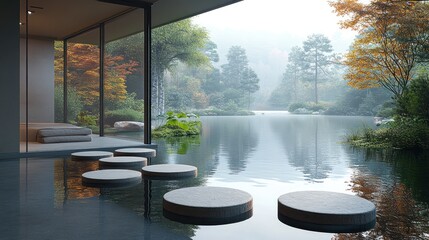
(410, 128)
(403, 133)
(178, 125)
(223, 112)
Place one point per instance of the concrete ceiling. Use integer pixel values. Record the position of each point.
(58, 19)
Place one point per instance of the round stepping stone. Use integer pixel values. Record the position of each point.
(137, 152)
(326, 212)
(207, 205)
(169, 171)
(90, 155)
(111, 178)
(135, 163)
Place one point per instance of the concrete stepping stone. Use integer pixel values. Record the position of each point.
(169, 171)
(326, 212)
(207, 205)
(137, 152)
(133, 163)
(90, 155)
(111, 178)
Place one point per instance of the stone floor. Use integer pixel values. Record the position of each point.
(99, 143)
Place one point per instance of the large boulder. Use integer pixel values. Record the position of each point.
(128, 126)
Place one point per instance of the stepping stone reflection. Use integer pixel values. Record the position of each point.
(207, 205)
(90, 155)
(111, 178)
(137, 152)
(169, 171)
(133, 163)
(326, 212)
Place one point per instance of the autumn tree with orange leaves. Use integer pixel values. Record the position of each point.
(392, 41)
(83, 67)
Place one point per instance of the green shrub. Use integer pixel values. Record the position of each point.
(415, 101)
(409, 133)
(311, 106)
(192, 128)
(74, 103)
(339, 110)
(177, 125)
(317, 107)
(85, 119)
(295, 106)
(219, 112)
(110, 117)
(130, 102)
(386, 112)
(230, 107)
(403, 133)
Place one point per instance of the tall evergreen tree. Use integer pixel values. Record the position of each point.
(317, 49)
(238, 75)
(294, 70)
(232, 72)
(249, 84)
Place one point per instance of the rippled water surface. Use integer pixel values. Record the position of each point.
(266, 155)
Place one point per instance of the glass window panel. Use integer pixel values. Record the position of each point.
(123, 76)
(83, 80)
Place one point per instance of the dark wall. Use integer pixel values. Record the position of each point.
(9, 76)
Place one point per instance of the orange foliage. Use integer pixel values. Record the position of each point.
(391, 34)
(84, 70)
(398, 214)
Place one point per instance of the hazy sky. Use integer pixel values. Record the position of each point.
(268, 29)
(296, 17)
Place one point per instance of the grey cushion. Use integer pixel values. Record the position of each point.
(50, 132)
(62, 139)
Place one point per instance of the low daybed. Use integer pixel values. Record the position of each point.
(55, 133)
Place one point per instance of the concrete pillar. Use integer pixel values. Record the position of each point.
(9, 76)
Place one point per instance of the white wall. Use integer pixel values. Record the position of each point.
(40, 80)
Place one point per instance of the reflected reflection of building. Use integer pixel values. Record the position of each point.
(68, 180)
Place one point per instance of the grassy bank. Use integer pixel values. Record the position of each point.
(403, 133)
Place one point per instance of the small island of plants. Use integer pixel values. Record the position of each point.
(178, 125)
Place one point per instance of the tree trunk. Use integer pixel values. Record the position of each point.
(315, 80)
(248, 103)
(155, 93)
(158, 91)
(294, 86)
(161, 95)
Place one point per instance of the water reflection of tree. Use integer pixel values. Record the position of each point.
(234, 137)
(147, 203)
(399, 214)
(238, 140)
(68, 180)
(200, 151)
(306, 141)
(412, 168)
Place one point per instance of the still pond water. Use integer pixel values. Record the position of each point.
(266, 155)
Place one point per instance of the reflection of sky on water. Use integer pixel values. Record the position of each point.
(283, 144)
(264, 223)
